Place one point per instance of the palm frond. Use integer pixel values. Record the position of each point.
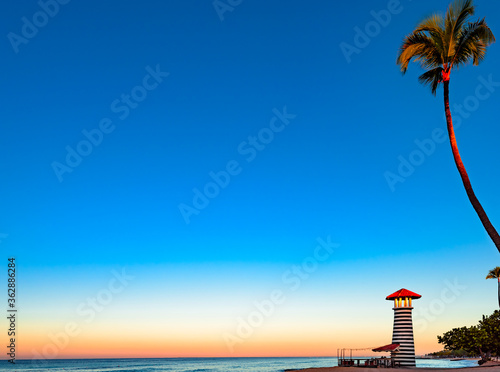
(472, 43)
(432, 78)
(456, 16)
(433, 26)
(494, 273)
(421, 48)
(459, 12)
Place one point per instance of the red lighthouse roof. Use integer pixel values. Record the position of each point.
(403, 293)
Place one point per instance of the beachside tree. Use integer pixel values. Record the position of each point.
(442, 44)
(495, 274)
(481, 339)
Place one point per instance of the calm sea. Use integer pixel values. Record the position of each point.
(195, 364)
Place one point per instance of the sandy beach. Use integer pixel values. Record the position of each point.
(487, 367)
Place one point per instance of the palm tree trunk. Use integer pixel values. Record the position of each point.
(463, 173)
(499, 292)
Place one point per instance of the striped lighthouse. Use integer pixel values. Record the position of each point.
(402, 332)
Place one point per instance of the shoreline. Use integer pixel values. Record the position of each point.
(488, 366)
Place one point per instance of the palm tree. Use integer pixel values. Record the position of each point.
(495, 274)
(441, 44)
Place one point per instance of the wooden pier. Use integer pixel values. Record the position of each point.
(345, 360)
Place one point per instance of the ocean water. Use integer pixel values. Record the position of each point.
(195, 364)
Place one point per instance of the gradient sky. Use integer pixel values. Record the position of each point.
(233, 75)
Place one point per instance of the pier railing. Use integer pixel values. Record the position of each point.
(345, 359)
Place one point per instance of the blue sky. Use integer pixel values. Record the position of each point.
(322, 175)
